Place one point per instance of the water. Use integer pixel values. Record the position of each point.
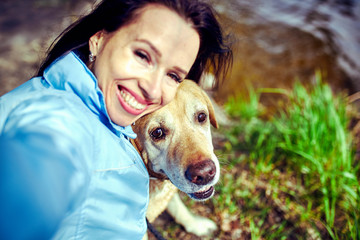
(277, 41)
(334, 25)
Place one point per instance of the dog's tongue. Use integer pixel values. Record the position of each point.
(204, 194)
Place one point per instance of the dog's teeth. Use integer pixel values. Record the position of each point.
(204, 189)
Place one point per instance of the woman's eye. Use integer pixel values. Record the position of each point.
(175, 77)
(202, 117)
(142, 55)
(157, 134)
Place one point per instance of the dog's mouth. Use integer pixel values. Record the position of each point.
(203, 195)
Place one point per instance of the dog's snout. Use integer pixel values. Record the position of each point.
(201, 173)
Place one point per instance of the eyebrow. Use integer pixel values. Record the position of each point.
(181, 70)
(157, 52)
(151, 46)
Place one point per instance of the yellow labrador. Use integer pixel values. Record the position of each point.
(176, 145)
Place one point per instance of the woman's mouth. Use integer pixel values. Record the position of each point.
(130, 103)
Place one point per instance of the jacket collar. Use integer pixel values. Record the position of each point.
(69, 73)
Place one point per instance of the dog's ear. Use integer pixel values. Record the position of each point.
(137, 142)
(137, 145)
(211, 110)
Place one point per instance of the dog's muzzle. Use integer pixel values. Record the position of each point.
(201, 173)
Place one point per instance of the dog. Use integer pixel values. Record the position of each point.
(175, 144)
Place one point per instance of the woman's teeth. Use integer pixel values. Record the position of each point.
(131, 101)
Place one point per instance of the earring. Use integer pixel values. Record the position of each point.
(92, 57)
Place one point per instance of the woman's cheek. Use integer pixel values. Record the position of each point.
(169, 93)
(131, 67)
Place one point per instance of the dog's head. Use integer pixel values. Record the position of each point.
(175, 142)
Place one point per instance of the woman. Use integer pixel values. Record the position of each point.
(67, 168)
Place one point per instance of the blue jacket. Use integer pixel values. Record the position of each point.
(67, 171)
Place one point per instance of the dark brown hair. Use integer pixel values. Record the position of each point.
(214, 55)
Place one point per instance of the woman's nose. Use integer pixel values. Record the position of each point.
(151, 86)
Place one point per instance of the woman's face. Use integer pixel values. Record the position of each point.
(140, 66)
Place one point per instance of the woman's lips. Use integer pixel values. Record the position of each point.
(130, 102)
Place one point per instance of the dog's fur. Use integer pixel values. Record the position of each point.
(176, 146)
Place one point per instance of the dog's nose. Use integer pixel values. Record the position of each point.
(201, 173)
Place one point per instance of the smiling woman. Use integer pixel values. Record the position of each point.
(67, 167)
(140, 66)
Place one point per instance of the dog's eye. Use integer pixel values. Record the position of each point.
(202, 117)
(158, 133)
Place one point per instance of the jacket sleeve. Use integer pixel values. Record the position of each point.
(43, 168)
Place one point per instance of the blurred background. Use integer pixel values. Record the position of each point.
(285, 53)
(279, 41)
(275, 42)
(27, 28)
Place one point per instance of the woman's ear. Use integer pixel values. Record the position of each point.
(96, 42)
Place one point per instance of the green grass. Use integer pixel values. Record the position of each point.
(300, 167)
